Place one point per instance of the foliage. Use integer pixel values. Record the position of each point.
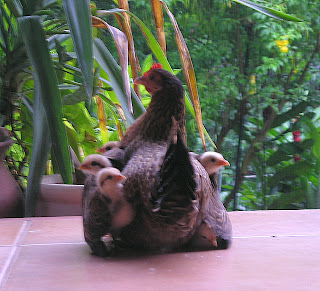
(257, 80)
(255, 75)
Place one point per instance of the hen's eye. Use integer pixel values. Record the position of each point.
(213, 160)
(109, 177)
(151, 77)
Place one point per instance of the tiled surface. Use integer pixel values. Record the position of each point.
(9, 229)
(47, 230)
(272, 250)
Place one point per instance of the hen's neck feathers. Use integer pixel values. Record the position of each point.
(155, 124)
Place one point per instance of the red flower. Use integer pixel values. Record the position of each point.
(296, 135)
(296, 158)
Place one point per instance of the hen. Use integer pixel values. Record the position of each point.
(171, 193)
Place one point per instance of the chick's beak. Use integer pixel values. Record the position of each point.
(83, 167)
(224, 163)
(120, 178)
(100, 150)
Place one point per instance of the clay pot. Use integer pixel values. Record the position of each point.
(57, 199)
(11, 199)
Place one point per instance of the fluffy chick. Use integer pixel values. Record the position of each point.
(93, 163)
(212, 162)
(110, 182)
(110, 145)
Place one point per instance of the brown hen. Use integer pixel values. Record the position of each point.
(171, 193)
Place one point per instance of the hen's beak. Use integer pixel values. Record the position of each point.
(140, 81)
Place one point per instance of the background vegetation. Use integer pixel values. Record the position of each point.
(258, 84)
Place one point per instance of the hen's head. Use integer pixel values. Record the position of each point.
(156, 80)
(212, 162)
(92, 164)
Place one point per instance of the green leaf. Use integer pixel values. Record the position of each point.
(112, 69)
(78, 18)
(77, 96)
(41, 146)
(268, 11)
(292, 113)
(151, 41)
(287, 150)
(15, 7)
(38, 53)
(314, 134)
(287, 200)
(290, 172)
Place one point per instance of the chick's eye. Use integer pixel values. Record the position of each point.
(109, 177)
(95, 164)
(213, 160)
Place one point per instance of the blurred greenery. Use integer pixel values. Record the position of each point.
(257, 80)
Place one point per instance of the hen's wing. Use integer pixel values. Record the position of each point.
(160, 183)
(96, 217)
(176, 173)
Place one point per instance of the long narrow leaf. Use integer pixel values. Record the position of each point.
(268, 11)
(78, 17)
(37, 50)
(15, 7)
(158, 20)
(41, 146)
(102, 119)
(124, 22)
(109, 65)
(121, 43)
(151, 41)
(188, 73)
(157, 52)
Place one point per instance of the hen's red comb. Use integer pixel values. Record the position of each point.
(154, 66)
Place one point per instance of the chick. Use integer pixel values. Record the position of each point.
(205, 237)
(110, 182)
(212, 162)
(110, 145)
(93, 163)
(114, 153)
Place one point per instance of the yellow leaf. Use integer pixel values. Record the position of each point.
(126, 28)
(158, 19)
(102, 119)
(188, 73)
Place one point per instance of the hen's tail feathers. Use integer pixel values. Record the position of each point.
(176, 174)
